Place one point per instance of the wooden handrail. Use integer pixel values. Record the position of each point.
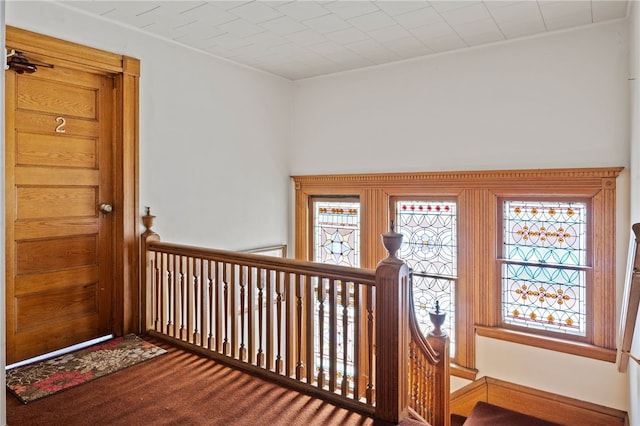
(363, 275)
(323, 329)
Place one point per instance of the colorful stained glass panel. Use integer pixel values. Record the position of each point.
(337, 233)
(429, 247)
(543, 271)
(428, 236)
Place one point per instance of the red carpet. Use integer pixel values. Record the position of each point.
(179, 388)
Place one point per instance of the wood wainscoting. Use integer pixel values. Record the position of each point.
(533, 402)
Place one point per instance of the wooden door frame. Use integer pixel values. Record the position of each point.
(126, 73)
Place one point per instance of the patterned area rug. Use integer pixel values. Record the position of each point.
(44, 378)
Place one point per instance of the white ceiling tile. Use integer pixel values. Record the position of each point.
(210, 14)
(195, 42)
(350, 35)
(521, 28)
(240, 28)
(393, 32)
(427, 32)
(604, 10)
(136, 7)
(515, 11)
(374, 51)
(96, 7)
(446, 5)
(418, 18)
(306, 37)
(479, 32)
(462, 15)
(399, 7)
(408, 47)
(139, 21)
(198, 30)
(164, 30)
(228, 4)
(327, 23)
(302, 10)
(351, 9)
(165, 15)
(255, 12)
(558, 15)
(310, 37)
(283, 26)
(267, 39)
(229, 41)
(372, 21)
(176, 7)
(449, 42)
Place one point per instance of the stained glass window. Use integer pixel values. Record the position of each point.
(429, 247)
(336, 241)
(544, 265)
(337, 233)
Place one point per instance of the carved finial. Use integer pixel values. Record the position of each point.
(393, 226)
(437, 319)
(147, 219)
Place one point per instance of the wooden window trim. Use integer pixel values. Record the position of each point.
(477, 194)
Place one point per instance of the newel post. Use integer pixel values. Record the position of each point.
(392, 333)
(147, 272)
(439, 340)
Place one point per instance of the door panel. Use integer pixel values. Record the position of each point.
(59, 165)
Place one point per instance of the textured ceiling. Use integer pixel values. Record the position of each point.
(300, 39)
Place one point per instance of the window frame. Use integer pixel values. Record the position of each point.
(588, 267)
(476, 193)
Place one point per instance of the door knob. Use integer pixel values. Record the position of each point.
(106, 208)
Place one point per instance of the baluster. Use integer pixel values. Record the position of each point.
(226, 345)
(289, 318)
(243, 313)
(204, 312)
(260, 357)
(197, 312)
(333, 335)
(357, 341)
(157, 298)
(370, 345)
(309, 322)
(269, 321)
(190, 313)
(171, 285)
(299, 332)
(183, 299)
(321, 296)
(250, 313)
(218, 306)
(213, 308)
(345, 337)
(280, 301)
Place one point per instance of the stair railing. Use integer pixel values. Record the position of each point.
(343, 334)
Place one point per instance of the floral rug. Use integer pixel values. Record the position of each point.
(44, 378)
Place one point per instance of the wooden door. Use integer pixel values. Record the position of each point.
(59, 171)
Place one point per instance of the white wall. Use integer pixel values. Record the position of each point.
(557, 100)
(213, 135)
(634, 86)
(551, 101)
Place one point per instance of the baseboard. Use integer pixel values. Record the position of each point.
(543, 405)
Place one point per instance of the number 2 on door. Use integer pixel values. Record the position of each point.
(60, 127)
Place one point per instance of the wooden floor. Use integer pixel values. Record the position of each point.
(180, 388)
